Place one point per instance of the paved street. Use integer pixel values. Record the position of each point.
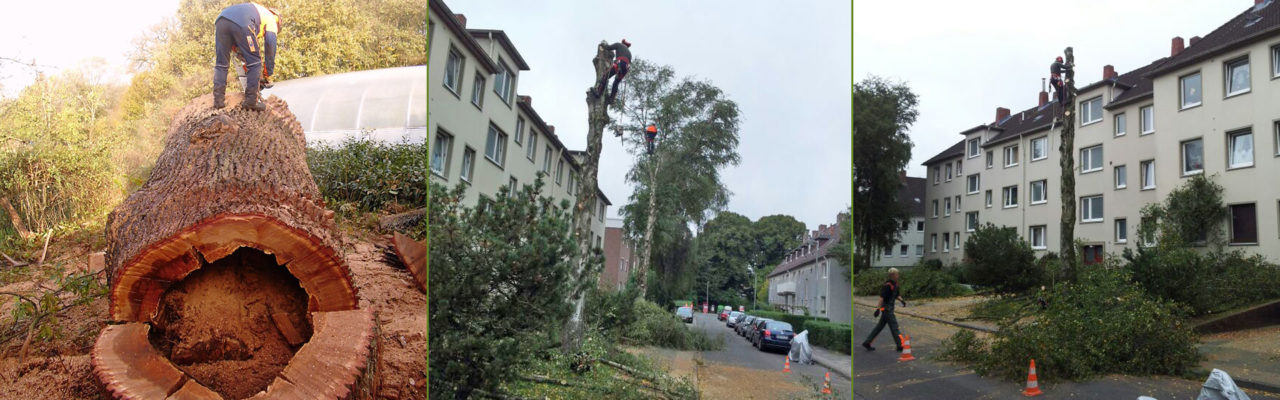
(880, 376)
(741, 365)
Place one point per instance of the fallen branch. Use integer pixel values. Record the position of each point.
(46, 247)
(14, 263)
(13, 216)
(643, 376)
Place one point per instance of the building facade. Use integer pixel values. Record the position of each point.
(619, 256)
(910, 247)
(1210, 108)
(482, 133)
(809, 280)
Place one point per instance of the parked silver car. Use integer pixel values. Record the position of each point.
(732, 319)
(742, 325)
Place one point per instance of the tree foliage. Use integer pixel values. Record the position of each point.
(883, 111)
(999, 259)
(775, 235)
(500, 273)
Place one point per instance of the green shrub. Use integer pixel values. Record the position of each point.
(963, 346)
(830, 335)
(371, 173)
(797, 321)
(927, 280)
(999, 259)
(655, 326)
(1097, 326)
(1199, 279)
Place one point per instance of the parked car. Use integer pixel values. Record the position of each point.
(731, 318)
(775, 335)
(754, 330)
(743, 324)
(724, 314)
(686, 314)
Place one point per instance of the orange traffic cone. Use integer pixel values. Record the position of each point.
(1033, 385)
(787, 367)
(906, 349)
(826, 383)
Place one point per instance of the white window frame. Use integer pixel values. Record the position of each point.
(477, 90)
(1009, 197)
(1121, 234)
(975, 147)
(1182, 90)
(468, 164)
(454, 70)
(974, 183)
(971, 221)
(946, 207)
(1011, 154)
(559, 171)
(1121, 123)
(949, 172)
(1227, 68)
(903, 249)
(496, 140)
(1147, 119)
(546, 160)
(531, 151)
(920, 226)
(1119, 176)
(1275, 61)
(946, 242)
(513, 186)
(1087, 158)
(988, 199)
(443, 153)
(1044, 191)
(955, 239)
(937, 174)
(959, 168)
(503, 82)
(1148, 181)
(519, 138)
(991, 159)
(1231, 148)
(957, 204)
(933, 243)
(919, 250)
(1087, 107)
(1182, 151)
(935, 208)
(1042, 237)
(1086, 213)
(1044, 150)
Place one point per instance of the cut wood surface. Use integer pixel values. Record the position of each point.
(130, 367)
(226, 178)
(414, 256)
(327, 366)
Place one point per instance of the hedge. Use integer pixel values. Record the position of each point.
(830, 335)
(797, 321)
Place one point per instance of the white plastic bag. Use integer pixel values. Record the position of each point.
(1219, 386)
(800, 350)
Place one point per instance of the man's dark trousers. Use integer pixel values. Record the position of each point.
(886, 318)
(226, 34)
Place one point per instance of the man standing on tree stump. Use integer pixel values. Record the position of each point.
(621, 64)
(240, 28)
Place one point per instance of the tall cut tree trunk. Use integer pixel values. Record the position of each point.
(1068, 166)
(597, 118)
(651, 219)
(228, 179)
(15, 219)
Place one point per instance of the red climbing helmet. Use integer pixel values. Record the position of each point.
(1059, 59)
(626, 43)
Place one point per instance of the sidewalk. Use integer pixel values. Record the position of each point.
(1251, 357)
(840, 363)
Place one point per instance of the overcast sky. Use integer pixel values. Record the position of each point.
(59, 34)
(964, 59)
(786, 65)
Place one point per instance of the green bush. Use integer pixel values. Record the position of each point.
(1199, 279)
(798, 322)
(1097, 326)
(654, 326)
(963, 346)
(371, 173)
(926, 280)
(830, 335)
(999, 259)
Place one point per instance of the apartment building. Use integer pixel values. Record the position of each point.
(620, 256)
(1208, 108)
(482, 133)
(808, 280)
(910, 247)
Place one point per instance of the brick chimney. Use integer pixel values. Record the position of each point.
(1108, 72)
(527, 100)
(1193, 41)
(822, 228)
(462, 20)
(1044, 97)
(1001, 113)
(1257, 2)
(1176, 47)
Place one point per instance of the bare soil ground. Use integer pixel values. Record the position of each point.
(721, 381)
(60, 369)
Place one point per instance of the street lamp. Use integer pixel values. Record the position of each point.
(753, 286)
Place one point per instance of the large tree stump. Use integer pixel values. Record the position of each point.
(228, 179)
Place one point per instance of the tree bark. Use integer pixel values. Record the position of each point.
(597, 118)
(651, 219)
(15, 219)
(1067, 150)
(227, 179)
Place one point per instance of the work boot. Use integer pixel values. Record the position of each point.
(219, 98)
(867, 345)
(899, 349)
(251, 102)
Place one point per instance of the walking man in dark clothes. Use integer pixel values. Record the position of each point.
(621, 64)
(888, 293)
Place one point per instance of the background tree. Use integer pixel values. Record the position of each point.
(998, 258)
(697, 135)
(882, 113)
(727, 246)
(775, 236)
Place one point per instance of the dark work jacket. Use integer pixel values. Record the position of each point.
(889, 293)
(249, 15)
(1057, 68)
(620, 51)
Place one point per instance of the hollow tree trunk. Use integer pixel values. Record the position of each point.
(597, 118)
(228, 179)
